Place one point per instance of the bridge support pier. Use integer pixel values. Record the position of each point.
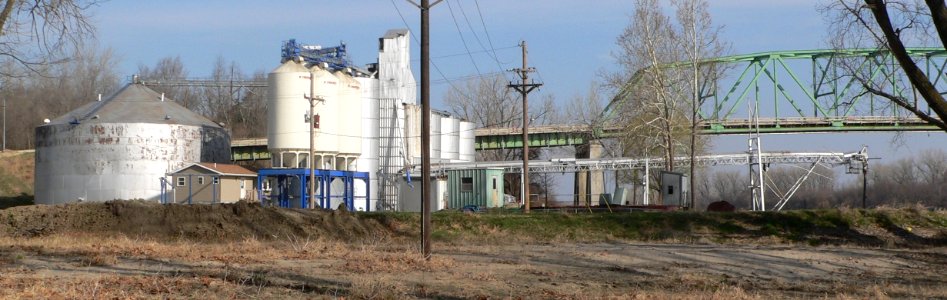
(589, 185)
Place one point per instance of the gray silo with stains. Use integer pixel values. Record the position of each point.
(121, 147)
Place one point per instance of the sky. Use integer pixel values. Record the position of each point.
(570, 43)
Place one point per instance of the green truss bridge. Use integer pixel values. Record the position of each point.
(793, 91)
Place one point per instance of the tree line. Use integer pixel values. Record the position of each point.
(909, 181)
(54, 89)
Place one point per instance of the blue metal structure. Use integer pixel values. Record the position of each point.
(289, 179)
(336, 57)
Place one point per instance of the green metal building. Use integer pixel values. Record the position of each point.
(483, 187)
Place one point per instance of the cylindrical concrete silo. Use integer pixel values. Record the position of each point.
(368, 160)
(121, 147)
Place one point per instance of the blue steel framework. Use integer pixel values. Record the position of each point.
(324, 177)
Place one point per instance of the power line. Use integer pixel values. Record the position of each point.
(489, 39)
(472, 52)
(462, 40)
(436, 68)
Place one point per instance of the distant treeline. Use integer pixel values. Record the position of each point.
(51, 90)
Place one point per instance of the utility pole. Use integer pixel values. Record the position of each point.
(425, 7)
(524, 89)
(312, 137)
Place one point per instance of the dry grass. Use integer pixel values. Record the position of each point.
(378, 267)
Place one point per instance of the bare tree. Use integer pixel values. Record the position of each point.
(170, 69)
(35, 33)
(662, 73)
(892, 25)
(701, 41)
(488, 103)
(62, 88)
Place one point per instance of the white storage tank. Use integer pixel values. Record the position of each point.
(327, 116)
(368, 160)
(350, 116)
(435, 135)
(288, 109)
(466, 150)
(450, 139)
(121, 148)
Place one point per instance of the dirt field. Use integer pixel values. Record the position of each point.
(141, 250)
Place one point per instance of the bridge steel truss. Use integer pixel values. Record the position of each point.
(809, 91)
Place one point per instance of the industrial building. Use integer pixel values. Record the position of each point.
(121, 147)
(363, 122)
(366, 128)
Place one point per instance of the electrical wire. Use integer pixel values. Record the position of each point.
(436, 68)
(487, 32)
(462, 39)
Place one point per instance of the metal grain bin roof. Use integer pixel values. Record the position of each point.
(135, 103)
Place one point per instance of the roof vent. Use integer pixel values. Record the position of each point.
(95, 116)
(167, 117)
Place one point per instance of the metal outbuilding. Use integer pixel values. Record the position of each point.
(121, 147)
(482, 187)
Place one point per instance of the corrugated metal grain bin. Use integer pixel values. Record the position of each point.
(483, 187)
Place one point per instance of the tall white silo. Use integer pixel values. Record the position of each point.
(288, 115)
(327, 116)
(467, 137)
(287, 126)
(122, 147)
(368, 160)
(350, 119)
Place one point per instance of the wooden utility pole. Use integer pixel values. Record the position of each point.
(425, 7)
(524, 89)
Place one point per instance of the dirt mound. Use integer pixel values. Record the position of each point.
(198, 222)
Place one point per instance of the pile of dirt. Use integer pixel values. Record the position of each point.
(198, 222)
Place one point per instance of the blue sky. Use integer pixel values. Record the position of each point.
(570, 42)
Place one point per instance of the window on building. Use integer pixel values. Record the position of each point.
(494, 183)
(181, 181)
(216, 180)
(200, 180)
(466, 184)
